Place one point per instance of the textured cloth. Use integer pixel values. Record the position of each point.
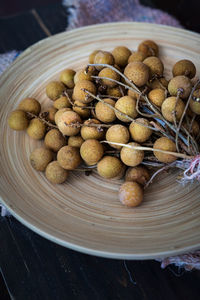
(88, 12)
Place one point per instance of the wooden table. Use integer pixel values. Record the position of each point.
(35, 268)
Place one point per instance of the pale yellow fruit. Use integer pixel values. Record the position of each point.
(59, 113)
(88, 132)
(91, 151)
(117, 134)
(30, 105)
(109, 167)
(170, 107)
(180, 82)
(18, 120)
(121, 55)
(67, 77)
(126, 105)
(140, 133)
(130, 156)
(103, 57)
(54, 90)
(69, 118)
(104, 113)
(165, 144)
(157, 96)
(106, 72)
(36, 129)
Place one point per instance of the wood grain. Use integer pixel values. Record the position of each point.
(84, 214)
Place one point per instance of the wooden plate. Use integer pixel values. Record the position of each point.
(84, 214)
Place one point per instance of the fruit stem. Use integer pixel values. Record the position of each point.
(41, 119)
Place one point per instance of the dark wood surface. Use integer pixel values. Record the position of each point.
(35, 268)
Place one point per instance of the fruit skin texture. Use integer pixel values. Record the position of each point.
(103, 57)
(92, 56)
(18, 120)
(82, 75)
(109, 167)
(51, 114)
(36, 129)
(138, 132)
(195, 105)
(130, 194)
(30, 105)
(118, 134)
(160, 83)
(131, 157)
(137, 72)
(69, 117)
(59, 113)
(82, 96)
(168, 107)
(157, 96)
(104, 113)
(137, 56)
(115, 91)
(184, 67)
(106, 72)
(138, 174)
(155, 65)
(166, 144)
(149, 47)
(91, 132)
(67, 77)
(54, 140)
(83, 113)
(55, 173)
(127, 105)
(75, 141)
(121, 55)
(40, 158)
(54, 90)
(91, 151)
(69, 157)
(62, 102)
(180, 82)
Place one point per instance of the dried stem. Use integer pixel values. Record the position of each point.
(41, 119)
(68, 97)
(108, 96)
(98, 126)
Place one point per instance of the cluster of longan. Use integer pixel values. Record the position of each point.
(96, 119)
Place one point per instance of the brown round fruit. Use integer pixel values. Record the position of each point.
(126, 105)
(106, 72)
(75, 141)
(114, 92)
(36, 129)
(51, 114)
(184, 67)
(103, 112)
(18, 120)
(69, 118)
(40, 158)
(165, 144)
(171, 107)
(180, 83)
(160, 83)
(59, 113)
(69, 157)
(79, 93)
(54, 90)
(62, 102)
(130, 194)
(67, 77)
(88, 132)
(80, 109)
(155, 65)
(54, 140)
(195, 102)
(109, 167)
(82, 75)
(157, 96)
(103, 57)
(130, 156)
(117, 134)
(92, 56)
(137, 56)
(30, 105)
(137, 72)
(140, 133)
(149, 48)
(55, 173)
(138, 174)
(91, 151)
(121, 55)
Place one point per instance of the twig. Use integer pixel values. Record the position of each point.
(68, 97)
(78, 125)
(179, 92)
(108, 96)
(41, 119)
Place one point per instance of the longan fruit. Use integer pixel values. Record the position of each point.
(82, 75)
(18, 120)
(138, 174)
(62, 102)
(103, 57)
(106, 72)
(184, 67)
(114, 92)
(130, 194)
(137, 72)
(80, 95)
(155, 65)
(54, 140)
(30, 105)
(133, 94)
(40, 158)
(131, 157)
(55, 173)
(83, 112)
(180, 82)
(109, 167)
(51, 114)
(157, 96)
(121, 55)
(88, 132)
(117, 134)
(91, 151)
(168, 108)
(67, 77)
(195, 102)
(126, 105)
(137, 56)
(104, 113)
(60, 112)
(75, 141)
(161, 83)
(148, 47)
(54, 90)
(69, 157)
(67, 118)
(138, 132)
(92, 56)
(165, 144)
(36, 129)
